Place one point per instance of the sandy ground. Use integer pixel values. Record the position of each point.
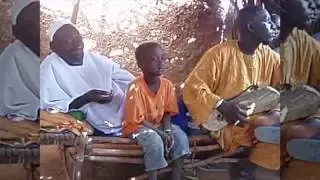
(12, 172)
(52, 169)
(51, 164)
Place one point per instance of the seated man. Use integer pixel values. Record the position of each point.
(19, 64)
(303, 51)
(225, 71)
(74, 79)
(150, 103)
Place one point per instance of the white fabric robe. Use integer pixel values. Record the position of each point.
(62, 83)
(19, 82)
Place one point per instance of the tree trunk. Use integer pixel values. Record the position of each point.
(251, 2)
(75, 11)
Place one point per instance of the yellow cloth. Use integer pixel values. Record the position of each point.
(300, 63)
(300, 59)
(18, 132)
(224, 72)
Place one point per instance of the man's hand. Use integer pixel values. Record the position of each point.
(233, 112)
(98, 96)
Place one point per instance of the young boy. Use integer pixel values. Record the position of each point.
(150, 103)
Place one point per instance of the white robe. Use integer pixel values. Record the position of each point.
(62, 83)
(19, 82)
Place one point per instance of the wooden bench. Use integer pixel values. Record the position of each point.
(124, 151)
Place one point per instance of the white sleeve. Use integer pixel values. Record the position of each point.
(51, 94)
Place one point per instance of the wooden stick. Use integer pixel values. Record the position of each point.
(211, 159)
(204, 139)
(75, 12)
(77, 168)
(193, 165)
(139, 152)
(116, 152)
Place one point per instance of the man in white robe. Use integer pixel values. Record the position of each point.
(74, 79)
(20, 63)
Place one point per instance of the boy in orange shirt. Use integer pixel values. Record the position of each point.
(149, 105)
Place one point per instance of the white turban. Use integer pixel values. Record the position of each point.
(55, 26)
(17, 7)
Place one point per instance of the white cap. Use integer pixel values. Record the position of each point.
(55, 26)
(17, 7)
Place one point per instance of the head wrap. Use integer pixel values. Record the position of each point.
(55, 26)
(17, 7)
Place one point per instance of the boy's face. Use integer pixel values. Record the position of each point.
(153, 62)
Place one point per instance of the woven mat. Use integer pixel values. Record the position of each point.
(18, 133)
(60, 123)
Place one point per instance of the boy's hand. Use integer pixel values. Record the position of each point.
(169, 140)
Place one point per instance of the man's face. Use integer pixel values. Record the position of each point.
(302, 12)
(263, 28)
(27, 28)
(68, 44)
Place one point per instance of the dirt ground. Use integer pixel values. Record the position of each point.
(52, 169)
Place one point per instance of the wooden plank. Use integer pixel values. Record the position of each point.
(139, 152)
(115, 146)
(125, 160)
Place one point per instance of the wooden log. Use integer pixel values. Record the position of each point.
(115, 146)
(77, 169)
(125, 160)
(193, 165)
(129, 160)
(114, 140)
(204, 139)
(116, 152)
(207, 148)
(139, 152)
